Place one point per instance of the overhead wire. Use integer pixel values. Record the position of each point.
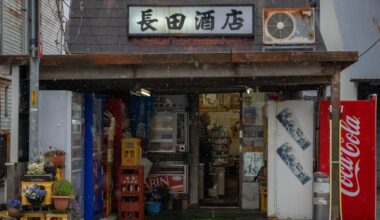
(57, 14)
(81, 7)
(370, 47)
(377, 25)
(60, 15)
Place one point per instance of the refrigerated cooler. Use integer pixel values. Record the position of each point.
(168, 144)
(168, 130)
(60, 120)
(290, 159)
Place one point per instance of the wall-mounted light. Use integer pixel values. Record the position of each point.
(140, 92)
(134, 93)
(144, 92)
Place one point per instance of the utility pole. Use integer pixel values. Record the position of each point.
(34, 71)
(335, 162)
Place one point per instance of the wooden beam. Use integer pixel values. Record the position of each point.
(186, 85)
(341, 58)
(335, 146)
(295, 57)
(14, 60)
(125, 59)
(168, 71)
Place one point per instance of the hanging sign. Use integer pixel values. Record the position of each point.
(358, 156)
(233, 20)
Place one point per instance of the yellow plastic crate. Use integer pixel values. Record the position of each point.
(130, 151)
(49, 191)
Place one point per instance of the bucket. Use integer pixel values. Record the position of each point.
(153, 208)
(321, 196)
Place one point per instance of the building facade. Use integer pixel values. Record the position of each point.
(14, 41)
(351, 25)
(280, 54)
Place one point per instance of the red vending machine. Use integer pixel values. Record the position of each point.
(117, 108)
(358, 156)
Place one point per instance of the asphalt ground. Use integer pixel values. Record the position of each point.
(212, 213)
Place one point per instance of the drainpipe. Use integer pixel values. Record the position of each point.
(34, 62)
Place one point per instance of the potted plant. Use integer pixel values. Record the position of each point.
(74, 208)
(37, 171)
(36, 168)
(49, 168)
(62, 193)
(56, 156)
(14, 208)
(35, 194)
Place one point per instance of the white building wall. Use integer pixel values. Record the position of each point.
(348, 25)
(334, 39)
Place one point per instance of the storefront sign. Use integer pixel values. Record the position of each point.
(358, 156)
(175, 183)
(233, 20)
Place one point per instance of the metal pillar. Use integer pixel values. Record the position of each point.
(335, 145)
(14, 149)
(194, 147)
(34, 62)
(89, 157)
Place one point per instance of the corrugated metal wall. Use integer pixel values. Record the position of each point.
(5, 109)
(52, 37)
(12, 27)
(101, 26)
(14, 30)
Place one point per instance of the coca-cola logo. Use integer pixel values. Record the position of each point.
(350, 156)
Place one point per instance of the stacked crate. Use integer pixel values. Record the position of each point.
(131, 186)
(130, 151)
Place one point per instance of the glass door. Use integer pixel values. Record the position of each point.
(77, 147)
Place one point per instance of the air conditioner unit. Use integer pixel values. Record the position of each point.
(285, 26)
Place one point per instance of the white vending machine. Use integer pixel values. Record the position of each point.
(60, 121)
(290, 159)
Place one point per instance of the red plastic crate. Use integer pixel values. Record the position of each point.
(131, 216)
(131, 186)
(129, 207)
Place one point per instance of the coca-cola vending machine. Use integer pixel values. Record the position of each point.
(358, 156)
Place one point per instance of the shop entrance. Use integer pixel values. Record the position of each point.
(219, 148)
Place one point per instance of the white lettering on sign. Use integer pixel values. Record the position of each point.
(158, 181)
(350, 156)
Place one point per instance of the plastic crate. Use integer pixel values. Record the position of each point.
(49, 191)
(130, 151)
(131, 180)
(131, 216)
(129, 207)
(131, 185)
